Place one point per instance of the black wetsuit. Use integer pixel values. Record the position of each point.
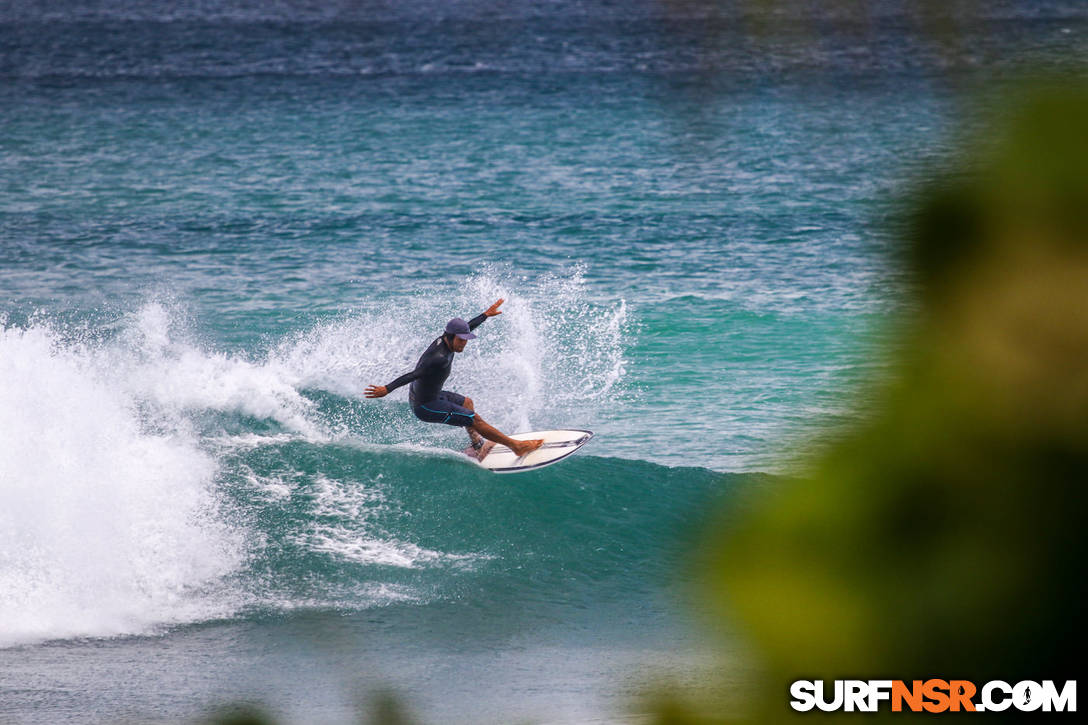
(429, 401)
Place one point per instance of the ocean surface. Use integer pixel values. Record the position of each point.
(221, 221)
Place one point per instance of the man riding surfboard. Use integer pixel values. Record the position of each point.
(432, 404)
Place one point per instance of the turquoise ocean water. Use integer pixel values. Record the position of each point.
(220, 222)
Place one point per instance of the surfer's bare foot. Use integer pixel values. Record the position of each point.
(524, 447)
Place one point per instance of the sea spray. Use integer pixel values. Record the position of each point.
(162, 368)
(551, 357)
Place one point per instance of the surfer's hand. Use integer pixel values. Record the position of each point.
(376, 391)
(494, 309)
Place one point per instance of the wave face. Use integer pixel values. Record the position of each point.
(347, 526)
(148, 480)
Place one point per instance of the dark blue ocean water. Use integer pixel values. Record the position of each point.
(220, 221)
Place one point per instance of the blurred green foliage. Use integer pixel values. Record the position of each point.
(382, 708)
(944, 536)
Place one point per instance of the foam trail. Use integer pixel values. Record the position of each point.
(105, 528)
(342, 527)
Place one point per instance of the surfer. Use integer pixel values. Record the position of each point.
(432, 404)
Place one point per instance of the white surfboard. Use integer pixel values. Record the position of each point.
(558, 444)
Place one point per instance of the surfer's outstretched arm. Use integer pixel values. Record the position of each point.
(380, 391)
(491, 311)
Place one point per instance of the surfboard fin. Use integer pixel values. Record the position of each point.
(479, 452)
(484, 450)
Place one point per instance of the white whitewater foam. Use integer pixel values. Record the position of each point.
(105, 528)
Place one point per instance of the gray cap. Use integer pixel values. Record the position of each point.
(460, 328)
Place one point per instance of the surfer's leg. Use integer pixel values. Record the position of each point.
(463, 404)
(491, 433)
(477, 441)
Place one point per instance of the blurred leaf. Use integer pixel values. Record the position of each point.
(386, 708)
(943, 536)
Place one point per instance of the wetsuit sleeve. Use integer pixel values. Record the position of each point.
(475, 321)
(403, 380)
